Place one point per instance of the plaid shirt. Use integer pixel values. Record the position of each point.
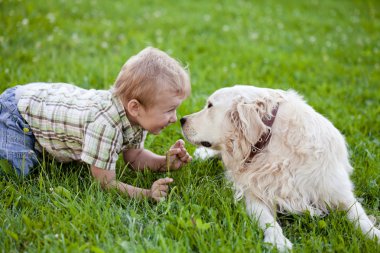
(73, 124)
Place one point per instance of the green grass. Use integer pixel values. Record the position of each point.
(327, 50)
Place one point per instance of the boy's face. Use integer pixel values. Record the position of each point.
(160, 115)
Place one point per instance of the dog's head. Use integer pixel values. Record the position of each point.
(230, 120)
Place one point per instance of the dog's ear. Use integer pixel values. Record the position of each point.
(246, 117)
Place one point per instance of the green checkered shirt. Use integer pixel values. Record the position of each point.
(74, 124)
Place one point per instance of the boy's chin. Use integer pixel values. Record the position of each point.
(155, 132)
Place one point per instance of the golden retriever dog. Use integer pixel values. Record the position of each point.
(280, 154)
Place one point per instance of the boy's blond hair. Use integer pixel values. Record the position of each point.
(149, 73)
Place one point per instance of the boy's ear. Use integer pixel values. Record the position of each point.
(133, 107)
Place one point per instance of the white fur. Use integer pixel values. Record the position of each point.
(304, 167)
(205, 153)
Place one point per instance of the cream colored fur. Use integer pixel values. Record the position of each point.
(305, 166)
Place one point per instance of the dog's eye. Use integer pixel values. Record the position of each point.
(209, 105)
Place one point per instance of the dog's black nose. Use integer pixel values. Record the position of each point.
(182, 120)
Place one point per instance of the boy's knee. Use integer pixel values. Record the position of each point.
(21, 162)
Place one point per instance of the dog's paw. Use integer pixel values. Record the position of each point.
(375, 234)
(205, 153)
(277, 239)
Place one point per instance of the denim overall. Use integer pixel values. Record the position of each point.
(16, 138)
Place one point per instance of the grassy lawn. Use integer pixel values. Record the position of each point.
(329, 51)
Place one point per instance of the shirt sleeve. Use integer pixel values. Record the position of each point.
(101, 145)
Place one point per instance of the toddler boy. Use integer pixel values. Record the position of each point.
(95, 126)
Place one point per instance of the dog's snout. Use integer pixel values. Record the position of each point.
(182, 120)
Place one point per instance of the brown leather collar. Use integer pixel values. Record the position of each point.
(265, 137)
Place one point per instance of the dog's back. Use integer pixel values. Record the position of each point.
(309, 158)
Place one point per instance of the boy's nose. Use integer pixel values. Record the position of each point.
(173, 119)
(182, 120)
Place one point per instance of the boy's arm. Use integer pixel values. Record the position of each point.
(139, 159)
(107, 179)
(142, 158)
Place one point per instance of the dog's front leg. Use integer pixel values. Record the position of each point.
(357, 215)
(272, 230)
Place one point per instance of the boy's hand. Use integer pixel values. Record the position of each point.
(178, 155)
(160, 188)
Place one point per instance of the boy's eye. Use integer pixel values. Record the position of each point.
(209, 105)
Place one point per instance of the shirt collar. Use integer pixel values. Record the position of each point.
(130, 132)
